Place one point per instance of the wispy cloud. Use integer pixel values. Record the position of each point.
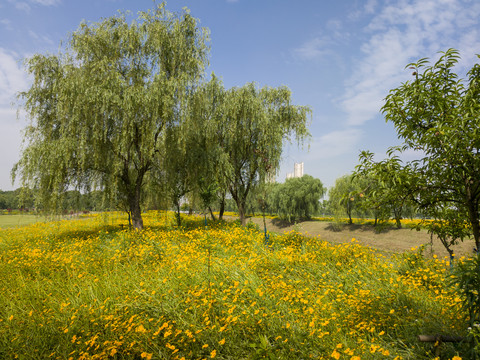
(25, 5)
(38, 37)
(402, 32)
(12, 78)
(6, 23)
(46, 2)
(313, 48)
(335, 143)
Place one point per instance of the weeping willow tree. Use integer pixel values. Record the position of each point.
(100, 108)
(257, 124)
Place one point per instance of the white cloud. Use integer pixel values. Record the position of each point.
(370, 6)
(12, 77)
(46, 2)
(10, 144)
(22, 6)
(335, 143)
(402, 32)
(38, 38)
(314, 48)
(7, 23)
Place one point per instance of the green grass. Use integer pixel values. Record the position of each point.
(7, 221)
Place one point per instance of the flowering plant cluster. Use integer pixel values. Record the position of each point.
(92, 289)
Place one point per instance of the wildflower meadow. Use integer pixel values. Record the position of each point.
(93, 289)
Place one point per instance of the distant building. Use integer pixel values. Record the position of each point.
(297, 171)
(271, 177)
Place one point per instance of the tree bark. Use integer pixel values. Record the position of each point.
(177, 214)
(474, 221)
(222, 208)
(134, 190)
(211, 214)
(241, 213)
(136, 212)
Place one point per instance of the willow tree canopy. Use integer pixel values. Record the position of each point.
(99, 109)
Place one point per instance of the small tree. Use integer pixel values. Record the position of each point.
(298, 198)
(346, 196)
(257, 122)
(389, 186)
(438, 114)
(99, 110)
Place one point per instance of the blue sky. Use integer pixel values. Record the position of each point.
(338, 57)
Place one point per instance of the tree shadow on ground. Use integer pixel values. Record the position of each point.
(282, 223)
(379, 229)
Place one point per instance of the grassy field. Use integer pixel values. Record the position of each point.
(7, 221)
(89, 289)
(390, 240)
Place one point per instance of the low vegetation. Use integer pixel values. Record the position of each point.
(92, 289)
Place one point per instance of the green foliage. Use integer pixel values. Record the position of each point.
(99, 110)
(346, 196)
(8, 200)
(297, 198)
(389, 186)
(466, 277)
(437, 114)
(205, 133)
(257, 123)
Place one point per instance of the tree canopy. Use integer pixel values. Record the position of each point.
(100, 108)
(347, 195)
(297, 198)
(437, 114)
(257, 123)
(389, 186)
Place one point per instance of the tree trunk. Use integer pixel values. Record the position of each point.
(398, 216)
(211, 214)
(241, 206)
(222, 209)
(129, 220)
(177, 214)
(399, 223)
(134, 195)
(241, 213)
(474, 221)
(349, 212)
(136, 212)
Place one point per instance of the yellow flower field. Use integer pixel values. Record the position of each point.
(92, 289)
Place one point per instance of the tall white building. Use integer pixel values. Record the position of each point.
(297, 171)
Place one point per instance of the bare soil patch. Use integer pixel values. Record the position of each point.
(390, 240)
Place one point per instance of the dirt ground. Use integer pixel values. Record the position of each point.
(388, 241)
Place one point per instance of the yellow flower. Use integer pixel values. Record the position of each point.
(221, 342)
(335, 354)
(456, 358)
(213, 354)
(145, 355)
